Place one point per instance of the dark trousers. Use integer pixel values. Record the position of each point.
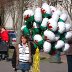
(3, 54)
(69, 61)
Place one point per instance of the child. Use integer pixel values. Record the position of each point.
(4, 35)
(23, 54)
(4, 42)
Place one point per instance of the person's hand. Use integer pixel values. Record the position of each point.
(6, 41)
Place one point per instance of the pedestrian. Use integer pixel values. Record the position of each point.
(4, 43)
(23, 54)
(13, 61)
(69, 56)
(0, 43)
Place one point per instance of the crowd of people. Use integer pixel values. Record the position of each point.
(23, 52)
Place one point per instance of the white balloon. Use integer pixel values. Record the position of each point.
(53, 9)
(23, 27)
(44, 22)
(46, 7)
(38, 15)
(68, 26)
(61, 26)
(68, 35)
(38, 37)
(59, 44)
(50, 35)
(66, 47)
(64, 16)
(28, 12)
(46, 46)
(53, 23)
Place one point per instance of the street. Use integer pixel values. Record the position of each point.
(45, 66)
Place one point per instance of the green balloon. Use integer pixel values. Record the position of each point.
(60, 20)
(26, 31)
(35, 31)
(40, 43)
(30, 19)
(43, 28)
(28, 24)
(39, 23)
(45, 15)
(35, 46)
(62, 37)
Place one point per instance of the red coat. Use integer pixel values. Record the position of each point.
(0, 34)
(4, 36)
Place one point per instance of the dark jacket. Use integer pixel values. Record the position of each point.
(69, 52)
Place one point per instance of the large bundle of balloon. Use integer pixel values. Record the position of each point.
(48, 28)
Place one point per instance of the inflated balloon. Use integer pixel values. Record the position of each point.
(38, 16)
(35, 29)
(53, 9)
(58, 12)
(55, 17)
(68, 27)
(68, 35)
(61, 27)
(59, 44)
(66, 47)
(46, 11)
(25, 30)
(52, 25)
(63, 17)
(47, 46)
(28, 15)
(44, 24)
(28, 24)
(49, 35)
(38, 39)
(48, 28)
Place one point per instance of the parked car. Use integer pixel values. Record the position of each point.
(12, 37)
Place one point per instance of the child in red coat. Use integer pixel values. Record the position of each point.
(4, 42)
(0, 36)
(4, 35)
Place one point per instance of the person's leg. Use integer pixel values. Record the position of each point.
(27, 71)
(3, 55)
(0, 57)
(14, 59)
(19, 71)
(23, 71)
(6, 55)
(69, 61)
